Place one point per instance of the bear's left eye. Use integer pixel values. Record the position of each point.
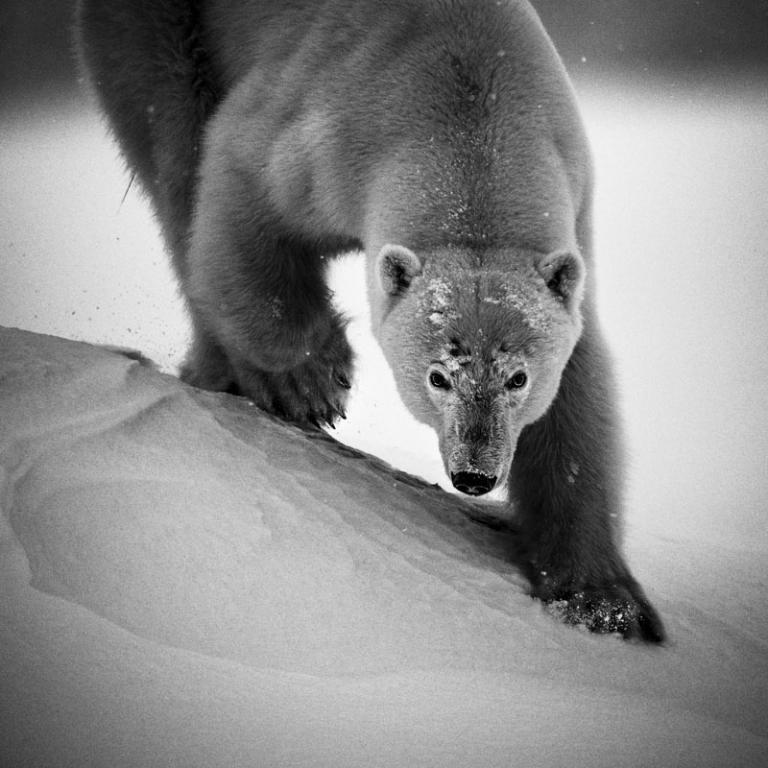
(438, 381)
(517, 380)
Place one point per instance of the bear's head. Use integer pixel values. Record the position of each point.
(477, 345)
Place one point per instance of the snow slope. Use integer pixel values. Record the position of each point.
(189, 582)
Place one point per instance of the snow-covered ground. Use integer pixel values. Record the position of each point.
(682, 248)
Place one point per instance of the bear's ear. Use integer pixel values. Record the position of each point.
(563, 272)
(396, 267)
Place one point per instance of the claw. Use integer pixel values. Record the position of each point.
(342, 381)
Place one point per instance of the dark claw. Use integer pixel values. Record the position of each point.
(342, 381)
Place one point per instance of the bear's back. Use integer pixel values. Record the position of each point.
(443, 96)
(371, 35)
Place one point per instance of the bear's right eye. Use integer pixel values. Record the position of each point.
(517, 381)
(438, 381)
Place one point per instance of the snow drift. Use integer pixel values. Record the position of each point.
(189, 582)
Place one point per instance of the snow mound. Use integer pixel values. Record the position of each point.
(189, 582)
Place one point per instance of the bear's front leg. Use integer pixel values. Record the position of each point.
(312, 391)
(262, 315)
(567, 482)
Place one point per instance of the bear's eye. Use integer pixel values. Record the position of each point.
(517, 380)
(438, 381)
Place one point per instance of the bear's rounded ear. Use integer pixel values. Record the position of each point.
(396, 267)
(563, 272)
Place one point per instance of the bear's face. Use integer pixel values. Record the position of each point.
(478, 349)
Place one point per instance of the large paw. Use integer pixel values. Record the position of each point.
(619, 606)
(314, 392)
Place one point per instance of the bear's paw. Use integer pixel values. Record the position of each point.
(618, 607)
(313, 392)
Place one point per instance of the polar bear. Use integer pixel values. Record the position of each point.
(441, 138)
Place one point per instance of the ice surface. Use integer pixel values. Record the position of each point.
(185, 583)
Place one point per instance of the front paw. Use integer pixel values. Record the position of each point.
(619, 606)
(313, 392)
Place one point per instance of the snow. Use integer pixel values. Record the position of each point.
(188, 582)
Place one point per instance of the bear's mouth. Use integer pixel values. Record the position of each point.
(473, 483)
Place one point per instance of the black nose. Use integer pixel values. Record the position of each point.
(472, 483)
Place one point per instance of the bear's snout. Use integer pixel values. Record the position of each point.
(472, 483)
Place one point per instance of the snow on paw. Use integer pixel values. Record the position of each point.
(619, 608)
